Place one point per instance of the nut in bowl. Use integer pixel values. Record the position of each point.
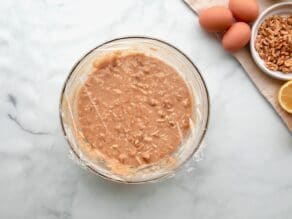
(271, 41)
(134, 110)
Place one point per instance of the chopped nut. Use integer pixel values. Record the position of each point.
(138, 160)
(138, 75)
(138, 134)
(152, 102)
(272, 66)
(133, 151)
(118, 127)
(186, 102)
(143, 91)
(141, 125)
(178, 97)
(133, 86)
(160, 120)
(288, 63)
(147, 138)
(154, 145)
(136, 141)
(115, 146)
(102, 136)
(160, 75)
(146, 156)
(171, 123)
(118, 91)
(122, 157)
(141, 85)
(185, 123)
(161, 113)
(163, 136)
(167, 104)
(161, 93)
(155, 133)
(146, 71)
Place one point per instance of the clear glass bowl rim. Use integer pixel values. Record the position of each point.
(125, 38)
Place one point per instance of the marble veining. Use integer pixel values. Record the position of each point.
(243, 171)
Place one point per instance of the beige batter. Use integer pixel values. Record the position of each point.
(134, 109)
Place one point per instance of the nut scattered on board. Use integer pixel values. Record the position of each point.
(274, 43)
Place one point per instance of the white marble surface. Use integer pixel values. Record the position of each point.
(245, 171)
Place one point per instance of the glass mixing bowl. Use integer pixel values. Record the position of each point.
(155, 48)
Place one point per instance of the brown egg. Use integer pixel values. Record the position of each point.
(236, 37)
(244, 10)
(216, 19)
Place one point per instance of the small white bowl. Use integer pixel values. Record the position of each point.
(279, 9)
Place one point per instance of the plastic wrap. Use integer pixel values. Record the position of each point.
(111, 169)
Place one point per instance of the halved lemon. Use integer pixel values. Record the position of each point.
(285, 96)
